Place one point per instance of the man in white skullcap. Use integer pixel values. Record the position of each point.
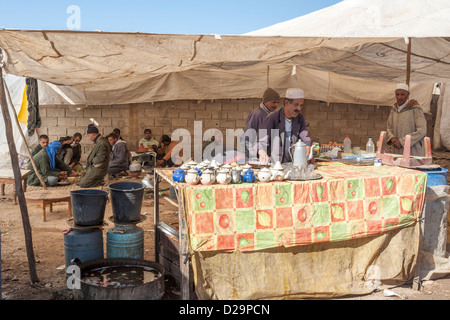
(283, 128)
(406, 118)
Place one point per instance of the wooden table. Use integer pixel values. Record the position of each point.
(350, 203)
(7, 177)
(49, 197)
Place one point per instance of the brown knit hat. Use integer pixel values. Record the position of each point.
(270, 95)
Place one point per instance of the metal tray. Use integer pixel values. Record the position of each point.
(357, 161)
(315, 176)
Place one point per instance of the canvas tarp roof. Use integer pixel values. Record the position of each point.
(131, 68)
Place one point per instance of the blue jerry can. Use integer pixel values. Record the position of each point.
(125, 241)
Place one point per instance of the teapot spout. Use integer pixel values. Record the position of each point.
(287, 174)
(311, 150)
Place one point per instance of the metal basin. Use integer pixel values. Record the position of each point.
(133, 289)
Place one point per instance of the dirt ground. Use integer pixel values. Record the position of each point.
(48, 245)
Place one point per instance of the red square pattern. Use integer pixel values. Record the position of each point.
(284, 217)
(204, 222)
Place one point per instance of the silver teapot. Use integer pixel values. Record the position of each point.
(299, 156)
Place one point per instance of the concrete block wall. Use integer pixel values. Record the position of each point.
(327, 122)
(332, 122)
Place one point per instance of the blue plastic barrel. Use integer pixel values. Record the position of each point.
(88, 206)
(125, 242)
(84, 244)
(436, 177)
(126, 201)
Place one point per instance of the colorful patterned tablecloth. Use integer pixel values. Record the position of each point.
(349, 202)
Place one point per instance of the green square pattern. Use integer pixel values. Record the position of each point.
(245, 221)
(321, 214)
(391, 206)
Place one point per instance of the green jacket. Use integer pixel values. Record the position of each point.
(42, 162)
(97, 164)
(35, 150)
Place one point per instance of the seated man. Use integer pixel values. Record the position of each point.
(66, 152)
(97, 162)
(48, 165)
(77, 152)
(42, 144)
(119, 155)
(147, 143)
(165, 151)
(117, 132)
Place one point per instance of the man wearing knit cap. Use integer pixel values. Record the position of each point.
(269, 103)
(97, 162)
(283, 128)
(406, 118)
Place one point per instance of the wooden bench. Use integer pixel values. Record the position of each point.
(48, 198)
(405, 160)
(7, 177)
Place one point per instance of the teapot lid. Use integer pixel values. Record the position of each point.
(265, 169)
(192, 171)
(278, 166)
(299, 143)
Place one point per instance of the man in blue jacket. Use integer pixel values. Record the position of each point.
(283, 128)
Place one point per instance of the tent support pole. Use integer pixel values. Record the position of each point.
(408, 62)
(23, 137)
(18, 182)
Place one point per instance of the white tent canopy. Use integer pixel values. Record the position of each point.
(424, 25)
(369, 18)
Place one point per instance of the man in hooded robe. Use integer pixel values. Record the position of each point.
(97, 162)
(47, 165)
(406, 118)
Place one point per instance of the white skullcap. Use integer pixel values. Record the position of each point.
(402, 86)
(294, 93)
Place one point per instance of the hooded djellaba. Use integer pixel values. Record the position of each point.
(97, 162)
(47, 165)
(407, 119)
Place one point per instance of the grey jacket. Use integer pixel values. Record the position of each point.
(119, 156)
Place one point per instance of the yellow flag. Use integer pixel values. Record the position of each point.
(23, 113)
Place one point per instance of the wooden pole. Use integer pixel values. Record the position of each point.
(408, 62)
(18, 182)
(23, 137)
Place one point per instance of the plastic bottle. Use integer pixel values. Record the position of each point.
(370, 147)
(347, 144)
